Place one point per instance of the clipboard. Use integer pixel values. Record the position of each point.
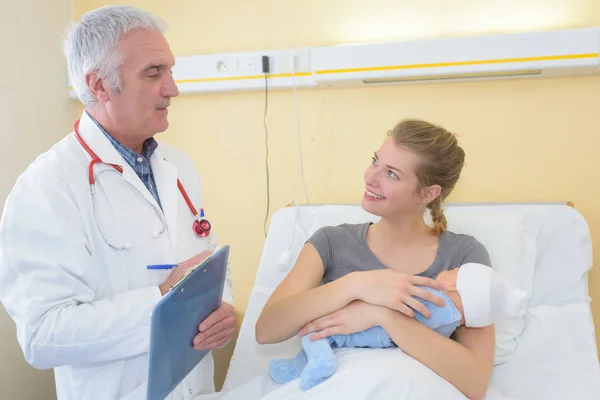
(175, 320)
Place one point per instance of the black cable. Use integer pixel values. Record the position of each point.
(267, 153)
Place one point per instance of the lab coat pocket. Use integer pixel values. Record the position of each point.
(139, 393)
(200, 379)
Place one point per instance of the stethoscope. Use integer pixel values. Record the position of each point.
(201, 226)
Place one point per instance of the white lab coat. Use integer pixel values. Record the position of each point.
(80, 306)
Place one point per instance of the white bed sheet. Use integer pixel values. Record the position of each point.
(563, 365)
(554, 355)
(362, 374)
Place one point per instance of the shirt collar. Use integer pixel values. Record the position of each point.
(129, 155)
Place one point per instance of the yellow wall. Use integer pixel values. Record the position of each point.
(549, 128)
(34, 114)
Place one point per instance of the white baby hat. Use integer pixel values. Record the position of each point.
(487, 297)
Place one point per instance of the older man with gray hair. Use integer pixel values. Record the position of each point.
(86, 219)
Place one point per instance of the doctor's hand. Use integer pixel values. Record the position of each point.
(180, 270)
(217, 329)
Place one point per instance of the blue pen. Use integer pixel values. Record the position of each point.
(162, 266)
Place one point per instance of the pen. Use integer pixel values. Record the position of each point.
(162, 266)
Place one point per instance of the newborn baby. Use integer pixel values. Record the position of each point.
(475, 296)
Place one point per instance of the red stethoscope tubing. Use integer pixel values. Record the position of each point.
(96, 160)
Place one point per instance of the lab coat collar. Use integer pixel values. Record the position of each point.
(165, 176)
(165, 173)
(98, 142)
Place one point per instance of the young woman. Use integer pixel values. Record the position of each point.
(350, 278)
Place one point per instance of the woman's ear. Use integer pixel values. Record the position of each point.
(430, 193)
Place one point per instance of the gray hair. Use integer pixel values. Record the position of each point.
(92, 45)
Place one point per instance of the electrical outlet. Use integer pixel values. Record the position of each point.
(221, 66)
(248, 64)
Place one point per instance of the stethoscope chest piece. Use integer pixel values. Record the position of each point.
(202, 227)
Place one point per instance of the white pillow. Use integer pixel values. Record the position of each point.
(509, 235)
(564, 258)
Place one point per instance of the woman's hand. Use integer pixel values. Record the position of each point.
(357, 316)
(395, 290)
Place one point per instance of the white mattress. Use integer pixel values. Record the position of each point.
(551, 354)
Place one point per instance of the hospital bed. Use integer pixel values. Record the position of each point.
(550, 353)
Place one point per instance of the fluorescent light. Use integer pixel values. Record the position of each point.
(469, 75)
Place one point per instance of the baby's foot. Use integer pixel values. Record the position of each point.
(286, 370)
(321, 362)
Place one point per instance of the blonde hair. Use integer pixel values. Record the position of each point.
(441, 161)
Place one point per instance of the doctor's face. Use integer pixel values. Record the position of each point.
(147, 84)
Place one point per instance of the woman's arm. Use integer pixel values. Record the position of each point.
(299, 299)
(466, 363)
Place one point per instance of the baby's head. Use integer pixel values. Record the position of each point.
(416, 167)
(484, 296)
(487, 297)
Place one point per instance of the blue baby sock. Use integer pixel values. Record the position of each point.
(285, 370)
(321, 362)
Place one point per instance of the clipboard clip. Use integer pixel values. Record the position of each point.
(188, 272)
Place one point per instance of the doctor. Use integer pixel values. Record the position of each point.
(73, 265)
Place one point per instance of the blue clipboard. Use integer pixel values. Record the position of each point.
(175, 321)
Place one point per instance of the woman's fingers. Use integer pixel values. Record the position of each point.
(334, 330)
(418, 306)
(404, 309)
(428, 296)
(423, 281)
(316, 325)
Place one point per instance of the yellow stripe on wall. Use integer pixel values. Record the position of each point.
(458, 63)
(239, 78)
